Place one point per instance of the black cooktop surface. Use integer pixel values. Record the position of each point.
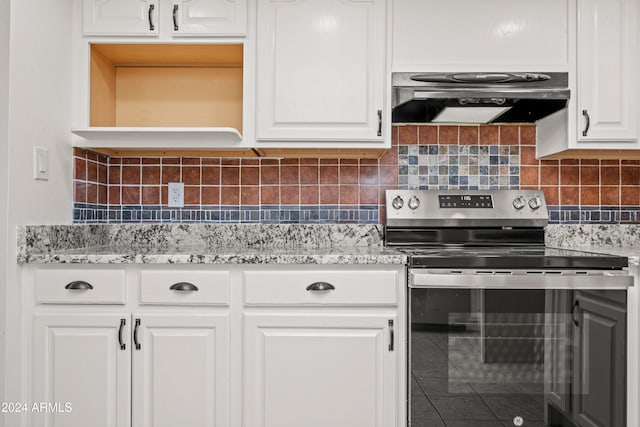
(509, 257)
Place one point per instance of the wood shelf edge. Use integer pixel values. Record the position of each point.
(611, 154)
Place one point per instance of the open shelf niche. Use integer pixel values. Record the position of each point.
(164, 96)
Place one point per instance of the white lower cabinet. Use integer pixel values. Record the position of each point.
(214, 346)
(181, 371)
(318, 371)
(81, 370)
(154, 370)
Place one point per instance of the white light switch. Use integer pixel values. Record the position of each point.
(40, 163)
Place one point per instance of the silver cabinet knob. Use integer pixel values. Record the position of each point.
(397, 202)
(414, 202)
(519, 203)
(535, 203)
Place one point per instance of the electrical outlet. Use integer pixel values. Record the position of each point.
(176, 194)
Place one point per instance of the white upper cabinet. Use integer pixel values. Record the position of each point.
(487, 35)
(321, 70)
(204, 17)
(119, 17)
(173, 18)
(603, 114)
(607, 70)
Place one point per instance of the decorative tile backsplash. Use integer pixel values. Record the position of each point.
(459, 166)
(134, 189)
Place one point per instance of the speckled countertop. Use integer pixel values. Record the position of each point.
(266, 243)
(205, 244)
(621, 240)
(222, 255)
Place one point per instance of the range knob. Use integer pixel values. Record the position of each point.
(519, 203)
(414, 202)
(397, 202)
(535, 203)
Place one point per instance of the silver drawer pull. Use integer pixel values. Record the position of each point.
(79, 285)
(320, 286)
(183, 287)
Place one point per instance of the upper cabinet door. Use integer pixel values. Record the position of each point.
(321, 70)
(487, 35)
(607, 70)
(120, 17)
(164, 18)
(207, 17)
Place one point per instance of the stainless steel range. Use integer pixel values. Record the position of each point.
(503, 330)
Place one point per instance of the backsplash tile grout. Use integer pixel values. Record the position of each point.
(134, 189)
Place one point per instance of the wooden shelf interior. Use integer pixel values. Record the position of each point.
(166, 85)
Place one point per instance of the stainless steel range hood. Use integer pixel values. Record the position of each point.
(477, 97)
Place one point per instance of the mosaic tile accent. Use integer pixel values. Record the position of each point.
(462, 167)
(84, 213)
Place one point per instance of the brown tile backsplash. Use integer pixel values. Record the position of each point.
(422, 156)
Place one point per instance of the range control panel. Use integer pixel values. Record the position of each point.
(453, 201)
(444, 208)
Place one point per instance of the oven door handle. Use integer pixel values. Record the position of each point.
(425, 278)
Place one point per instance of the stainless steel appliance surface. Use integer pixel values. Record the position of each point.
(504, 331)
(477, 97)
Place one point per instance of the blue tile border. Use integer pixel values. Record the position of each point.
(594, 214)
(84, 213)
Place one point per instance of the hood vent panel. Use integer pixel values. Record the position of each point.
(477, 97)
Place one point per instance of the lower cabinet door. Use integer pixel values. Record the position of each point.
(180, 370)
(599, 385)
(81, 372)
(319, 371)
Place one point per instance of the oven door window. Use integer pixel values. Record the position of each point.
(496, 357)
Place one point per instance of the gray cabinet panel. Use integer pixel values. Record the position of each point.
(599, 371)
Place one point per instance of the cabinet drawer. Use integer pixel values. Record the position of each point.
(349, 288)
(79, 286)
(184, 287)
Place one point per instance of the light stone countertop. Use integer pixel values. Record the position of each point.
(621, 240)
(266, 243)
(221, 255)
(205, 244)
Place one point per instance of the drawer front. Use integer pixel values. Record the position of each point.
(348, 288)
(79, 286)
(184, 287)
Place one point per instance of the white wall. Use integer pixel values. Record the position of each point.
(39, 114)
(4, 165)
(40, 109)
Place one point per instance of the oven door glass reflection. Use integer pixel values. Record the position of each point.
(499, 358)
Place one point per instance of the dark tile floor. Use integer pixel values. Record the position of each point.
(451, 386)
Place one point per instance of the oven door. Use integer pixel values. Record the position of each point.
(495, 356)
